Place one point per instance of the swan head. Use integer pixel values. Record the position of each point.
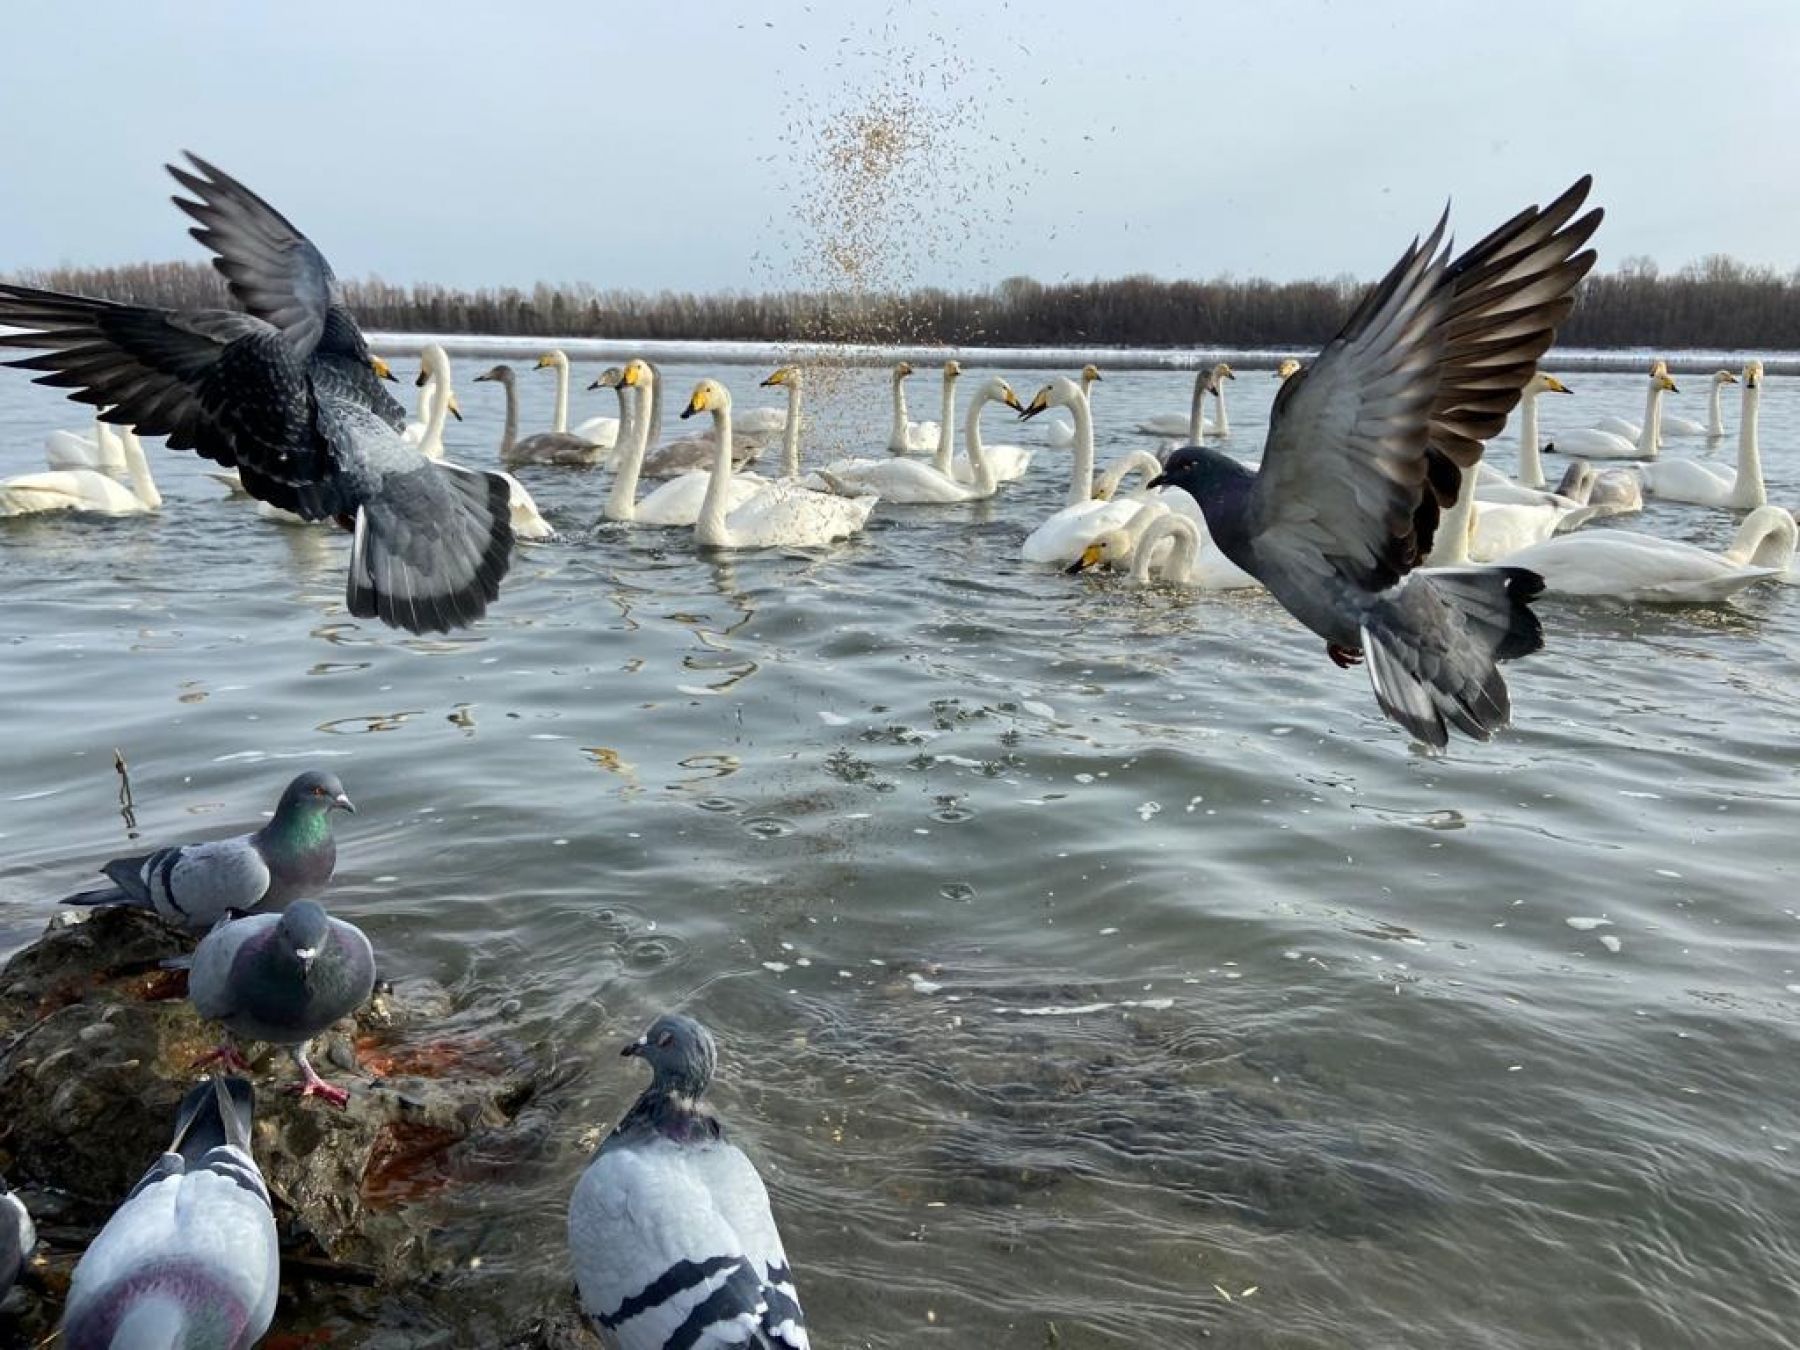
(1222, 372)
(1110, 547)
(788, 376)
(708, 396)
(953, 370)
(1540, 383)
(553, 357)
(1753, 375)
(501, 374)
(1659, 378)
(433, 363)
(636, 372)
(1287, 369)
(381, 368)
(1061, 392)
(999, 390)
(610, 378)
(1090, 374)
(1724, 377)
(902, 369)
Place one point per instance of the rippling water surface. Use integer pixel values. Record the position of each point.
(1092, 967)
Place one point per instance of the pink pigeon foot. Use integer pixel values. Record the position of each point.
(224, 1054)
(311, 1085)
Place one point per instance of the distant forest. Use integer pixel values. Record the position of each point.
(1717, 302)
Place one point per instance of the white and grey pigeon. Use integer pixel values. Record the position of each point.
(1370, 440)
(670, 1232)
(283, 978)
(196, 885)
(190, 1259)
(18, 1237)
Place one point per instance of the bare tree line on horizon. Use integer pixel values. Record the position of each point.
(1716, 302)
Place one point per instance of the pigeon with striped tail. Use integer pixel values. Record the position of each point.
(670, 1232)
(18, 1238)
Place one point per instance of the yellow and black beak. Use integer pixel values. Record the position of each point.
(1038, 404)
(1011, 400)
(455, 408)
(699, 403)
(382, 369)
(424, 378)
(1090, 557)
(779, 377)
(1555, 386)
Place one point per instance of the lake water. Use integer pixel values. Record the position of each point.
(1092, 967)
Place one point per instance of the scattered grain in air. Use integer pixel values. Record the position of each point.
(1224, 1293)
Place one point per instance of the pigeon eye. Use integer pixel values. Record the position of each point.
(665, 1040)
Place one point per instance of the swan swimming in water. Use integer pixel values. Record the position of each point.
(1740, 489)
(1477, 531)
(1598, 443)
(678, 501)
(103, 451)
(600, 431)
(1628, 565)
(1195, 425)
(904, 435)
(1186, 562)
(557, 447)
(908, 481)
(781, 514)
(1060, 431)
(85, 490)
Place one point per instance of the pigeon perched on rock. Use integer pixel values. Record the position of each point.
(18, 1238)
(669, 1228)
(284, 978)
(190, 1258)
(196, 885)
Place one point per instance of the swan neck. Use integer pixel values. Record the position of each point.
(790, 434)
(1651, 432)
(709, 527)
(621, 502)
(1767, 538)
(946, 446)
(652, 432)
(143, 486)
(1166, 525)
(1197, 410)
(509, 434)
(1223, 426)
(561, 425)
(1140, 460)
(1451, 548)
(897, 434)
(979, 468)
(1531, 463)
(1715, 411)
(1750, 489)
(431, 444)
(1081, 482)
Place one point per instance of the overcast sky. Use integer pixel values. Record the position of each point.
(671, 144)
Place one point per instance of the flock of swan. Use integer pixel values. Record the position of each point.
(1357, 488)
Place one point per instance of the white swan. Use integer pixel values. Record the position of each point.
(86, 490)
(558, 360)
(1185, 561)
(103, 452)
(1686, 480)
(1597, 442)
(434, 376)
(1476, 531)
(1714, 426)
(1195, 425)
(782, 514)
(688, 454)
(1530, 475)
(678, 501)
(1628, 565)
(414, 431)
(1088, 513)
(790, 378)
(1060, 431)
(911, 482)
(904, 435)
(434, 373)
(1005, 463)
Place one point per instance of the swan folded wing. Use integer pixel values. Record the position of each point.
(220, 383)
(272, 269)
(1365, 445)
(432, 541)
(656, 1260)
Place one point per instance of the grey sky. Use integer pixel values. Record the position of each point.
(644, 145)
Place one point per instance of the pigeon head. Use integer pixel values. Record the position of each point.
(316, 791)
(1200, 470)
(304, 930)
(680, 1052)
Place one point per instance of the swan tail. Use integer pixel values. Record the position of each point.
(430, 548)
(1434, 644)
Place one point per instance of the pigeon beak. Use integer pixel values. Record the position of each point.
(343, 803)
(634, 1048)
(306, 955)
(1161, 480)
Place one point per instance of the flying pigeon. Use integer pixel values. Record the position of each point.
(18, 1238)
(283, 978)
(669, 1228)
(190, 1258)
(196, 885)
(1369, 441)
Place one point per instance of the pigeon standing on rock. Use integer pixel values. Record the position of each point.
(669, 1228)
(196, 885)
(191, 1257)
(18, 1238)
(284, 978)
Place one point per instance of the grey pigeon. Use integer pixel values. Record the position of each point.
(190, 1259)
(283, 978)
(18, 1238)
(669, 1228)
(196, 885)
(1367, 443)
(290, 395)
